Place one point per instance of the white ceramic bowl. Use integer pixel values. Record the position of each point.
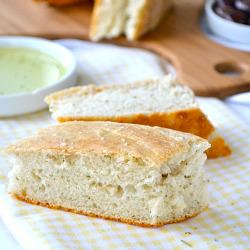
(16, 104)
(224, 28)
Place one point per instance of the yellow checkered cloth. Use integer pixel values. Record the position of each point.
(224, 225)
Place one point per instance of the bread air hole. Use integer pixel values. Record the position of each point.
(119, 191)
(42, 188)
(146, 187)
(35, 176)
(111, 190)
(130, 188)
(24, 193)
(164, 177)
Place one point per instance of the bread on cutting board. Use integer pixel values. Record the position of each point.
(109, 170)
(158, 102)
(111, 18)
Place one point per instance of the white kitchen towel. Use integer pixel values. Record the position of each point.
(224, 225)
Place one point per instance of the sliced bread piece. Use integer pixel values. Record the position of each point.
(147, 176)
(160, 102)
(112, 18)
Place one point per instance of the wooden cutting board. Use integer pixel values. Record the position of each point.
(200, 63)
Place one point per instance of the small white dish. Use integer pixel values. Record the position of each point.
(22, 103)
(224, 28)
(221, 40)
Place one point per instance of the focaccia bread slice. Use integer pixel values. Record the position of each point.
(159, 102)
(111, 18)
(147, 176)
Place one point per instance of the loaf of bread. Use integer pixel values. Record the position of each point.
(160, 102)
(133, 18)
(147, 176)
(112, 18)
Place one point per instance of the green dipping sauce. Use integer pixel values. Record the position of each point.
(23, 70)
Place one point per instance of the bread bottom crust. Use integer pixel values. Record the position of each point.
(123, 220)
(192, 121)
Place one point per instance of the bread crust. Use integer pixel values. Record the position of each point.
(118, 219)
(190, 121)
(141, 26)
(148, 16)
(155, 144)
(94, 19)
(92, 89)
(219, 148)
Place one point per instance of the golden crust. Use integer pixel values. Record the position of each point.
(149, 16)
(149, 143)
(219, 148)
(123, 220)
(190, 121)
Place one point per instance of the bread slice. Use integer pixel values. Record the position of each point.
(112, 18)
(147, 176)
(160, 102)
